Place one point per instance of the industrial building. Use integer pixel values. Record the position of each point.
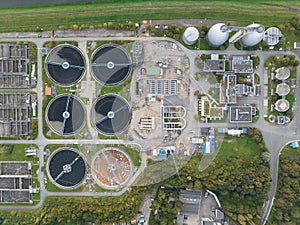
(211, 65)
(228, 89)
(162, 87)
(242, 64)
(241, 114)
(14, 66)
(272, 35)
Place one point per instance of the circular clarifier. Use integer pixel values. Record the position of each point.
(67, 168)
(65, 115)
(65, 65)
(112, 168)
(111, 114)
(110, 64)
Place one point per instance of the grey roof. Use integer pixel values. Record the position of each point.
(191, 201)
(242, 64)
(214, 65)
(190, 209)
(272, 35)
(180, 219)
(240, 114)
(219, 214)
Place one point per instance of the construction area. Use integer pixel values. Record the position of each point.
(160, 90)
(14, 114)
(112, 168)
(14, 66)
(15, 182)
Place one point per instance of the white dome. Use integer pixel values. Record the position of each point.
(253, 37)
(190, 35)
(217, 34)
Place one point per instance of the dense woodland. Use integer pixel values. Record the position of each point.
(78, 210)
(287, 201)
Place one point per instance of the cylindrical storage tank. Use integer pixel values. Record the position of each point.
(217, 34)
(253, 37)
(190, 35)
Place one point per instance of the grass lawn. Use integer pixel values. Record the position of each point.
(16, 153)
(33, 18)
(134, 155)
(244, 146)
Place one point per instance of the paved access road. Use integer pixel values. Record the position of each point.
(275, 136)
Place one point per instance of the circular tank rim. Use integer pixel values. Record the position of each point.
(49, 124)
(92, 111)
(194, 31)
(116, 46)
(84, 61)
(57, 184)
(116, 186)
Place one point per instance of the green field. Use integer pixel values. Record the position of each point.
(243, 147)
(34, 18)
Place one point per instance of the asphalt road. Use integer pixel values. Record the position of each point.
(275, 137)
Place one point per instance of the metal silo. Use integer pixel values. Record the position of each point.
(217, 34)
(254, 36)
(190, 35)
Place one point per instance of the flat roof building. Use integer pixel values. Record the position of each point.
(242, 64)
(272, 35)
(153, 71)
(191, 200)
(296, 45)
(214, 65)
(228, 89)
(240, 114)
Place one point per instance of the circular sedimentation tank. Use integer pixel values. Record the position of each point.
(282, 105)
(254, 36)
(190, 35)
(110, 64)
(65, 115)
(67, 168)
(111, 114)
(65, 65)
(218, 34)
(283, 89)
(282, 73)
(112, 168)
